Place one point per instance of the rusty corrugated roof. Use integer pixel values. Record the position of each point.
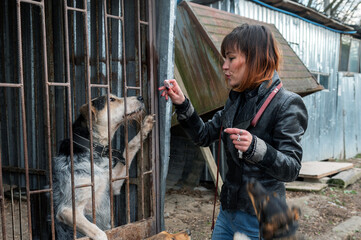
(199, 33)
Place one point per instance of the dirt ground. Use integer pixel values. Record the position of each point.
(192, 209)
(320, 211)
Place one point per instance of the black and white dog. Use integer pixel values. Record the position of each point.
(62, 189)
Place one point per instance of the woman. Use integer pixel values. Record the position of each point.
(269, 150)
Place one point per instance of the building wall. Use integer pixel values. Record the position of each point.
(329, 134)
(349, 114)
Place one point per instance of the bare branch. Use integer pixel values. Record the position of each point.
(350, 13)
(342, 7)
(337, 5)
(334, 9)
(345, 10)
(330, 5)
(309, 4)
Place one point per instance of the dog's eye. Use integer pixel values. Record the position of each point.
(112, 99)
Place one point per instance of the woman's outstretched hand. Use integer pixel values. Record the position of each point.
(241, 138)
(172, 90)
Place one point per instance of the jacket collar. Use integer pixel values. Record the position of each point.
(254, 99)
(264, 90)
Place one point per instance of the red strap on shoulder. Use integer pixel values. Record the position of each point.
(265, 104)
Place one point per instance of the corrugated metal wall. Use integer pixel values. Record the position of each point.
(334, 127)
(348, 112)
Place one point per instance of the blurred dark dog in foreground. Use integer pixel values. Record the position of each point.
(276, 219)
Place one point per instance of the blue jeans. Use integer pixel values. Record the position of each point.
(230, 222)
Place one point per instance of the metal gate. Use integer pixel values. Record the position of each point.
(56, 56)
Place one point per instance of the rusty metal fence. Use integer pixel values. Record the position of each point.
(55, 56)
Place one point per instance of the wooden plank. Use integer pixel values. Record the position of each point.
(132, 231)
(212, 166)
(322, 169)
(345, 178)
(305, 186)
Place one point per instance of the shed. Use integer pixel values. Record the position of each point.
(199, 32)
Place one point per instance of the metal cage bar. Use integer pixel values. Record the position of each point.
(138, 39)
(45, 61)
(139, 76)
(41, 4)
(108, 112)
(22, 94)
(125, 120)
(87, 59)
(12, 85)
(2, 199)
(155, 150)
(68, 109)
(67, 63)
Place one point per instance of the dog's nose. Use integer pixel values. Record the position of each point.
(140, 98)
(188, 232)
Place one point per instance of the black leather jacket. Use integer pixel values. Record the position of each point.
(277, 150)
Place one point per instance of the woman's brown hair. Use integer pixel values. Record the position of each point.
(260, 48)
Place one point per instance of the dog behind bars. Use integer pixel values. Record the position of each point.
(62, 188)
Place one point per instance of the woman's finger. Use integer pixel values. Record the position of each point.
(234, 131)
(172, 93)
(174, 82)
(241, 143)
(239, 137)
(177, 97)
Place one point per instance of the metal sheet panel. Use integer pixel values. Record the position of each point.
(350, 114)
(164, 50)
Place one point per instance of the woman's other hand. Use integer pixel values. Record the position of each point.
(172, 90)
(241, 138)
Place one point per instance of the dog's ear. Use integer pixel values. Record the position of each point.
(84, 111)
(296, 212)
(268, 230)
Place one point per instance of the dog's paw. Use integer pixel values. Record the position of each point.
(100, 236)
(148, 123)
(240, 236)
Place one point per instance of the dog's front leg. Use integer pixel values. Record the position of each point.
(82, 224)
(134, 144)
(133, 147)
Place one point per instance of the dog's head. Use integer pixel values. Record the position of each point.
(185, 235)
(120, 109)
(276, 219)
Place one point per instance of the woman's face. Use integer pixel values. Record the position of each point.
(234, 67)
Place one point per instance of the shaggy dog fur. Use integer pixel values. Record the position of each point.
(62, 189)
